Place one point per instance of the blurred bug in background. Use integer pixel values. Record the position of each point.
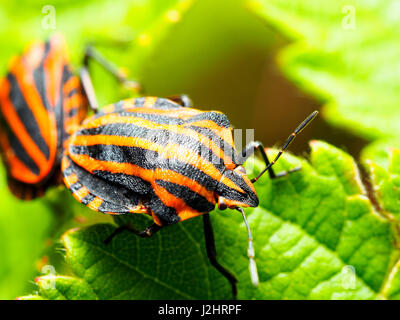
(41, 104)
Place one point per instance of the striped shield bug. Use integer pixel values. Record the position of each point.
(165, 159)
(41, 104)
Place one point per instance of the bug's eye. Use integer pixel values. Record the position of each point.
(221, 204)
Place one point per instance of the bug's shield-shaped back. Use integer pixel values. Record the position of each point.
(171, 158)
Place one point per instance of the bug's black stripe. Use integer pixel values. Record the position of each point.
(119, 106)
(133, 183)
(73, 92)
(117, 196)
(73, 112)
(19, 150)
(192, 199)
(167, 215)
(68, 171)
(47, 47)
(162, 103)
(66, 75)
(115, 208)
(219, 118)
(139, 102)
(145, 159)
(162, 137)
(75, 187)
(40, 78)
(59, 110)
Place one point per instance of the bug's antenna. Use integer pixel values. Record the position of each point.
(250, 252)
(287, 143)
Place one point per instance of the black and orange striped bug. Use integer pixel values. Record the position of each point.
(165, 159)
(41, 104)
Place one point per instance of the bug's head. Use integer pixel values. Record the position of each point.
(236, 190)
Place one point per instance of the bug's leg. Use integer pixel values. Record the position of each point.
(182, 99)
(88, 88)
(146, 233)
(212, 254)
(255, 145)
(92, 54)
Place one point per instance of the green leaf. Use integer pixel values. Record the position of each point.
(379, 151)
(385, 179)
(385, 182)
(317, 236)
(350, 61)
(24, 229)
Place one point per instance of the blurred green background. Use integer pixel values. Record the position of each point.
(217, 52)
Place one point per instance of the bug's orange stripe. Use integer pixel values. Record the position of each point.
(112, 213)
(138, 209)
(183, 210)
(148, 175)
(73, 123)
(156, 219)
(71, 84)
(81, 193)
(56, 57)
(237, 203)
(95, 204)
(19, 129)
(70, 180)
(108, 109)
(65, 163)
(72, 102)
(33, 56)
(149, 102)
